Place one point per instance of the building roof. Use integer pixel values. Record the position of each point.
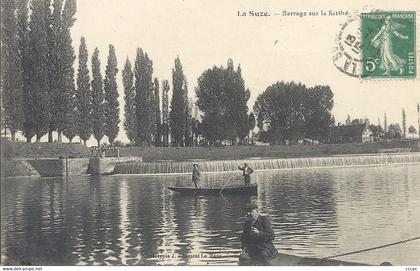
(347, 130)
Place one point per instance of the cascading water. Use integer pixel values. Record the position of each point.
(166, 167)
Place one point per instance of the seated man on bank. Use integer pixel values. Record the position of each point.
(257, 237)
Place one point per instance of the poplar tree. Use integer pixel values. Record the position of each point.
(418, 117)
(144, 98)
(188, 116)
(385, 126)
(11, 71)
(111, 108)
(38, 71)
(404, 123)
(177, 114)
(52, 64)
(97, 98)
(165, 112)
(188, 134)
(64, 72)
(129, 97)
(70, 128)
(158, 119)
(23, 38)
(83, 96)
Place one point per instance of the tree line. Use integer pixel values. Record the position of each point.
(395, 130)
(42, 94)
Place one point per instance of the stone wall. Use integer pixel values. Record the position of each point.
(54, 167)
(78, 166)
(49, 167)
(106, 165)
(18, 168)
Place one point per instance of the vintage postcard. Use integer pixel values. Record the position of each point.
(209, 133)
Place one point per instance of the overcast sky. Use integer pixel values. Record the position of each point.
(207, 33)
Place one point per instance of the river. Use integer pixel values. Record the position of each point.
(135, 220)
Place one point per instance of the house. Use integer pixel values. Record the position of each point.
(359, 133)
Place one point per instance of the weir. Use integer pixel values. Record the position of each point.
(165, 167)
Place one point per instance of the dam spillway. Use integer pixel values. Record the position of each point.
(168, 167)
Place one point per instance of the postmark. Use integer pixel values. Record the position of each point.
(347, 53)
(388, 44)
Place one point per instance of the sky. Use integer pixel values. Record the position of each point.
(269, 49)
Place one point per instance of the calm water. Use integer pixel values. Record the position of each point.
(134, 220)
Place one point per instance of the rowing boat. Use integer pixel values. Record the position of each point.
(228, 190)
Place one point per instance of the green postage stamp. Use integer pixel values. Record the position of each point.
(388, 44)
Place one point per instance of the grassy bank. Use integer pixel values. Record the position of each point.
(55, 150)
(17, 149)
(245, 152)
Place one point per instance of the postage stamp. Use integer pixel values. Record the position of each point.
(388, 44)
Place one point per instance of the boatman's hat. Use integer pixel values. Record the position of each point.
(251, 206)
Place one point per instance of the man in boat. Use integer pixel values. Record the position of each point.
(246, 172)
(195, 175)
(257, 237)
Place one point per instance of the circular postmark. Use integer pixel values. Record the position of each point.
(347, 55)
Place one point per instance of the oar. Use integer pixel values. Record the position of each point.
(223, 187)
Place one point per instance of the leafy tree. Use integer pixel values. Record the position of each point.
(251, 121)
(24, 54)
(129, 96)
(111, 108)
(260, 121)
(404, 123)
(11, 71)
(222, 98)
(293, 112)
(377, 131)
(412, 130)
(143, 73)
(39, 65)
(318, 104)
(177, 114)
(165, 112)
(97, 99)
(83, 95)
(158, 134)
(394, 131)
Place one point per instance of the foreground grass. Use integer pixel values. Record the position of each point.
(18, 149)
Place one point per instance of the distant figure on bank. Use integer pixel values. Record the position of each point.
(195, 175)
(246, 172)
(257, 237)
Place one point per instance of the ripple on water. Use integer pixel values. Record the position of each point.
(126, 219)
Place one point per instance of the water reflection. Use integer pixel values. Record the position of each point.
(132, 220)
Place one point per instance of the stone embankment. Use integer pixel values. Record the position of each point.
(58, 167)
